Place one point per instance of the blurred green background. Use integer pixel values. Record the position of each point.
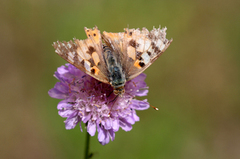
(195, 83)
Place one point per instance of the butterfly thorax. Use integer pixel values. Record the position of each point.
(116, 75)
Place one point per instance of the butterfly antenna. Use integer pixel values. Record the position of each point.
(150, 105)
(154, 107)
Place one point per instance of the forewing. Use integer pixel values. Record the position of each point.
(85, 54)
(137, 49)
(149, 46)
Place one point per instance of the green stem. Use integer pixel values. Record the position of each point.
(87, 146)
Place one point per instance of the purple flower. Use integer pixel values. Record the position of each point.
(87, 100)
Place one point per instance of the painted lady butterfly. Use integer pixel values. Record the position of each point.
(120, 57)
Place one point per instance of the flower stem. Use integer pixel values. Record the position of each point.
(87, 146)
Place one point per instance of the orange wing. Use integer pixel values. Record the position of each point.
(85, 54)
(137, 49)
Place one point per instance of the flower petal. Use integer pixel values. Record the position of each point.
(64, 104)
(91, 128)
(111, 134)
(62, 70)
(54, 93)
(66, 113)
(140, 77)
(87, 100)
(139, 105)
(80, 125)
(103, 137)
(125, 125)
(62, 87)
(71, 123)
(108, 124)
(86, 117)
(136, 118)
(142, 92)
(115, 125)
(130, 120)
(75, 71)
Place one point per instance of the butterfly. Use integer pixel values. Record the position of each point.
(114, 58)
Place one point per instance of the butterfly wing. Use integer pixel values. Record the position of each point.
(86, 54)
(137, 49)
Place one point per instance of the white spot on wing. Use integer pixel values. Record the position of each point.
(151, 50)
(147, 44)
(162, 47)
(159, 43)
(87, 65)
(146, 58)
(156, 33)
(69, 45)
(58, 51)
(79, 58)
(70, 55)
(141, 45)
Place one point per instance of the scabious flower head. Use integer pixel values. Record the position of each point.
(87, 100)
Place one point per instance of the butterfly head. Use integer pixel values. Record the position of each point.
(119, 90)
(118, 85)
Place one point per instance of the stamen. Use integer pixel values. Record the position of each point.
(97, 105)
(134, 84)
(81, 113)
(69, 85)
